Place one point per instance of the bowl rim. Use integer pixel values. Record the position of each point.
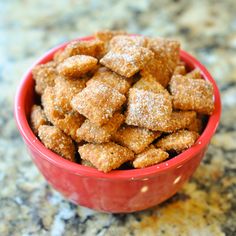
(78, 169)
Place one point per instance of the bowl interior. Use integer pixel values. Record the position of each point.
(25, 98)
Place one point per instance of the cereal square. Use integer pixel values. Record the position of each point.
(68, 122)
(192, 94)
(37, 118)
(135, 138)
(100, 134)
(147, 109)
(179, 70)
(76, 66)
(98, 102)
(178, 142)
(111, 79)
(106, 157)
(149, 157)
(65, 90)
(149, 83)
(55, 140)
(127, 60)
(124, 40)
(93, 48)
(44, 76)
(178, 120)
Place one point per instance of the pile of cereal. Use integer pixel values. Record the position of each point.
(119, 100)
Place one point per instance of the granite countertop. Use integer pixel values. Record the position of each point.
(207, 29)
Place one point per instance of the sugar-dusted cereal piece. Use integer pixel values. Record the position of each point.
(44, 76)
(37, 118)
(124, 40)
(93, 48)
(87, 163)
(194, 74)
(179, 70)
(157, 69)
(178, 120)
(76, 66)
(149, 83)
(111, 79)
(192, 94)
(107, 35)
(150, 156)
(196, 125)
(68, 122)
(147, 109)
(135, 138)
(179, 141)
(166, 53)
(100, 134)
(55, 140)
(107, 156)
(66, 89)
(127, 60)
(98, 102)
(166, 50)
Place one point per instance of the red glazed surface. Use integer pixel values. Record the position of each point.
(119, 190)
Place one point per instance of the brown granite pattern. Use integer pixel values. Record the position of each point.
(207, 29)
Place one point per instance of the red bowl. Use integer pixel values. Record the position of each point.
(119, 190)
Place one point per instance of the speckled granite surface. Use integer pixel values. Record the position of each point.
(206, 205)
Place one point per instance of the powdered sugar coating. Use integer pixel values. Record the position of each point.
(149, 157)
(99, 134)
(135, 138)
(98, 102)
(127, 60)
(107, 156)
(192, 94)
(65, 90)
(54, 139)
(76, 66)
(111, 79)
(44, 76)
(178, 142)
(147, 109)
(37, 118)
(68, 122)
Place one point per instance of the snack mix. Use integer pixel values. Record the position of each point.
(119, 101)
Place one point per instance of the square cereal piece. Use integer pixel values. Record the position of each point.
(65, 90)
(166, 51)
(124, 40)
(149, 157)
(93, 48)
(111, 79)
(98, 102)
(192, 94)
(68, 122)
(127, 60)
(44, 76)
(99, 134)
(87, 163)
(106, 157)
(149, 83)
(107, 35)
(37, 118)
(178, 120)
(135, 138)
(178, 142)
(158, 70)
(55, 140)
(147, 109)
(76, 66)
